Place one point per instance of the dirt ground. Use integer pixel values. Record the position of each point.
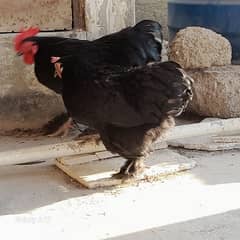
(39, 201)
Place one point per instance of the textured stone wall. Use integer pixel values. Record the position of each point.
(24, 103)
(216, 91)
(154, 10)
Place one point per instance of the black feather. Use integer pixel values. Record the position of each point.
(129, 108)
(133, 46)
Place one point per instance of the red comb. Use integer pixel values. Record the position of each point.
(30, 32)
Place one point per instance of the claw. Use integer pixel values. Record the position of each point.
(131, 169)
(63, 130)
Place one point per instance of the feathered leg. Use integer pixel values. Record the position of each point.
(131, 168)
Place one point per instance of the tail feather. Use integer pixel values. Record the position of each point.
(167, 89)
(181, 89)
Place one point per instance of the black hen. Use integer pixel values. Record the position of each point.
(133, 46)
(129, 108)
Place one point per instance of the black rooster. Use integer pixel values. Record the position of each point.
(133, 46)
(129, 108)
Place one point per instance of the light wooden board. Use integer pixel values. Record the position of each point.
(99, 173)
(84, 158)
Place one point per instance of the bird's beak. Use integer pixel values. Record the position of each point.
(19, 54)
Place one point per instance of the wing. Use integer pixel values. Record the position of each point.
(140, 96)
(156, 91)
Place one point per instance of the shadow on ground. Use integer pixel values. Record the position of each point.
(215, 227)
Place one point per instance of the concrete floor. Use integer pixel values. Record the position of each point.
(39, 202)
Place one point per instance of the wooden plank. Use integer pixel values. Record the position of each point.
(99, 173)
(47, 14)
(79, 22)
(84, 158)
(24, 102)
(85, 147)
(107, 16)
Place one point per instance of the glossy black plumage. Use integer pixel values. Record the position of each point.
(129, 108)
(133, 46)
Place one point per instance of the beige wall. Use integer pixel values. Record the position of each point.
(153, 9)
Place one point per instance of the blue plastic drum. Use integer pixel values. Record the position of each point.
(222, 16)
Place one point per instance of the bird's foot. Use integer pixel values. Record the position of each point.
(63, 130)
(131, 169)
(95, 138)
